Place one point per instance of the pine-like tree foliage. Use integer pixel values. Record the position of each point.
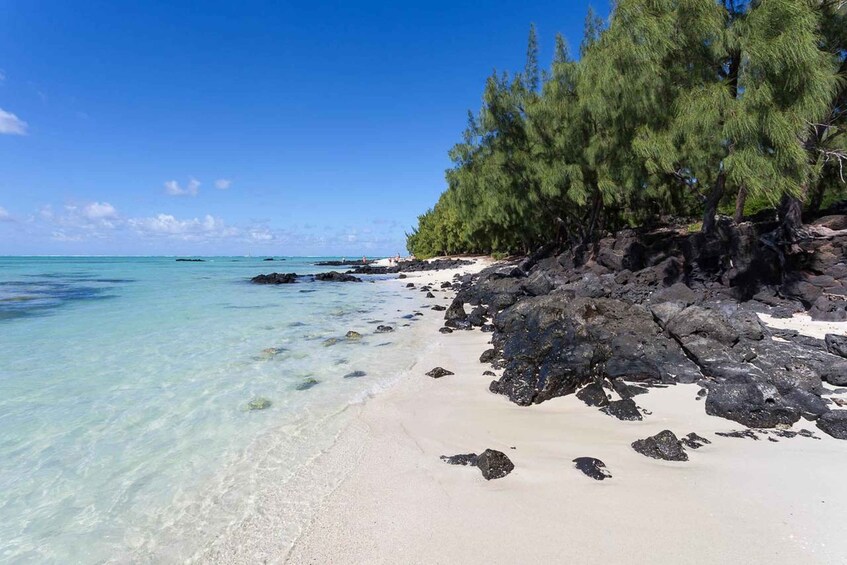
(673, 105)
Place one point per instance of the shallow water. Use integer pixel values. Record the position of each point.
(125, 432)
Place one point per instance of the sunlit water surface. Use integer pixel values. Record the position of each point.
(125, 431)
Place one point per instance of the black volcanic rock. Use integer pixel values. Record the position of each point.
(756, 405)
(664, 445)
(334, 276)
(623, 410)
(834, 423)
(275, 278)
(384, 329)
(488, 356)
(593, 395)
(494, 464)
(836, 344)
(592, 467)
(469, 459)
(693, 441)
(439, 372)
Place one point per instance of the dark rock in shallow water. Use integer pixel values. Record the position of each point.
(664, 445)
(469, 459)
(439, 372)
(593, 395)
(334, 276)
(353, 335)
(592, 467)
(410, 285)
(439, 308)
(445, 330)
(307, 384)
(488, 356)
(623, 410)
(834, 423)
(494, 464)
(275, 278)
(694, 441)
(756, 405)
(446, 284)
(355, 375)
(402, 276)
(190, 260)
(384, 329)
(429, 295)
(836, 344)
(489, 374)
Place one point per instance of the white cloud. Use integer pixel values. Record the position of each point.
(173, 188)
(10, 124)
(194, 229)
(5, 216)
(99, 211)
(223, 184)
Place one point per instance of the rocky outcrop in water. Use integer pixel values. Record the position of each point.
(275, 278)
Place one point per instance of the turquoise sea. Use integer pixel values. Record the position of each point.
(125, 433)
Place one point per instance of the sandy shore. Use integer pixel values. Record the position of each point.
(735, 501)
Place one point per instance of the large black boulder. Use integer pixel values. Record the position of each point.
(834, 423)
(756, 405)
(552, 345)
(836, 344)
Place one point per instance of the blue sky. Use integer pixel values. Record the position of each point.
(321, 128)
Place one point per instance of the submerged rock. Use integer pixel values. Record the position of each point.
(439, 372)
(259, 403)
(330, 342)
(355, 375)
(439, 308)
(664, 445)
(384, 329)
(352, 335)
(307, 384)
(592, 467)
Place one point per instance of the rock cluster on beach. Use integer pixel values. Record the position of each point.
(493, 464)
(661, 307)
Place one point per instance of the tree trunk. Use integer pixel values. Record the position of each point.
(790, 218)
(817, 198)
(740, 200)
(712, 202)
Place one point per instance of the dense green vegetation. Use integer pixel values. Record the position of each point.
(674, 107)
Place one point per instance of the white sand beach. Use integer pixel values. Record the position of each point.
(735, 500)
